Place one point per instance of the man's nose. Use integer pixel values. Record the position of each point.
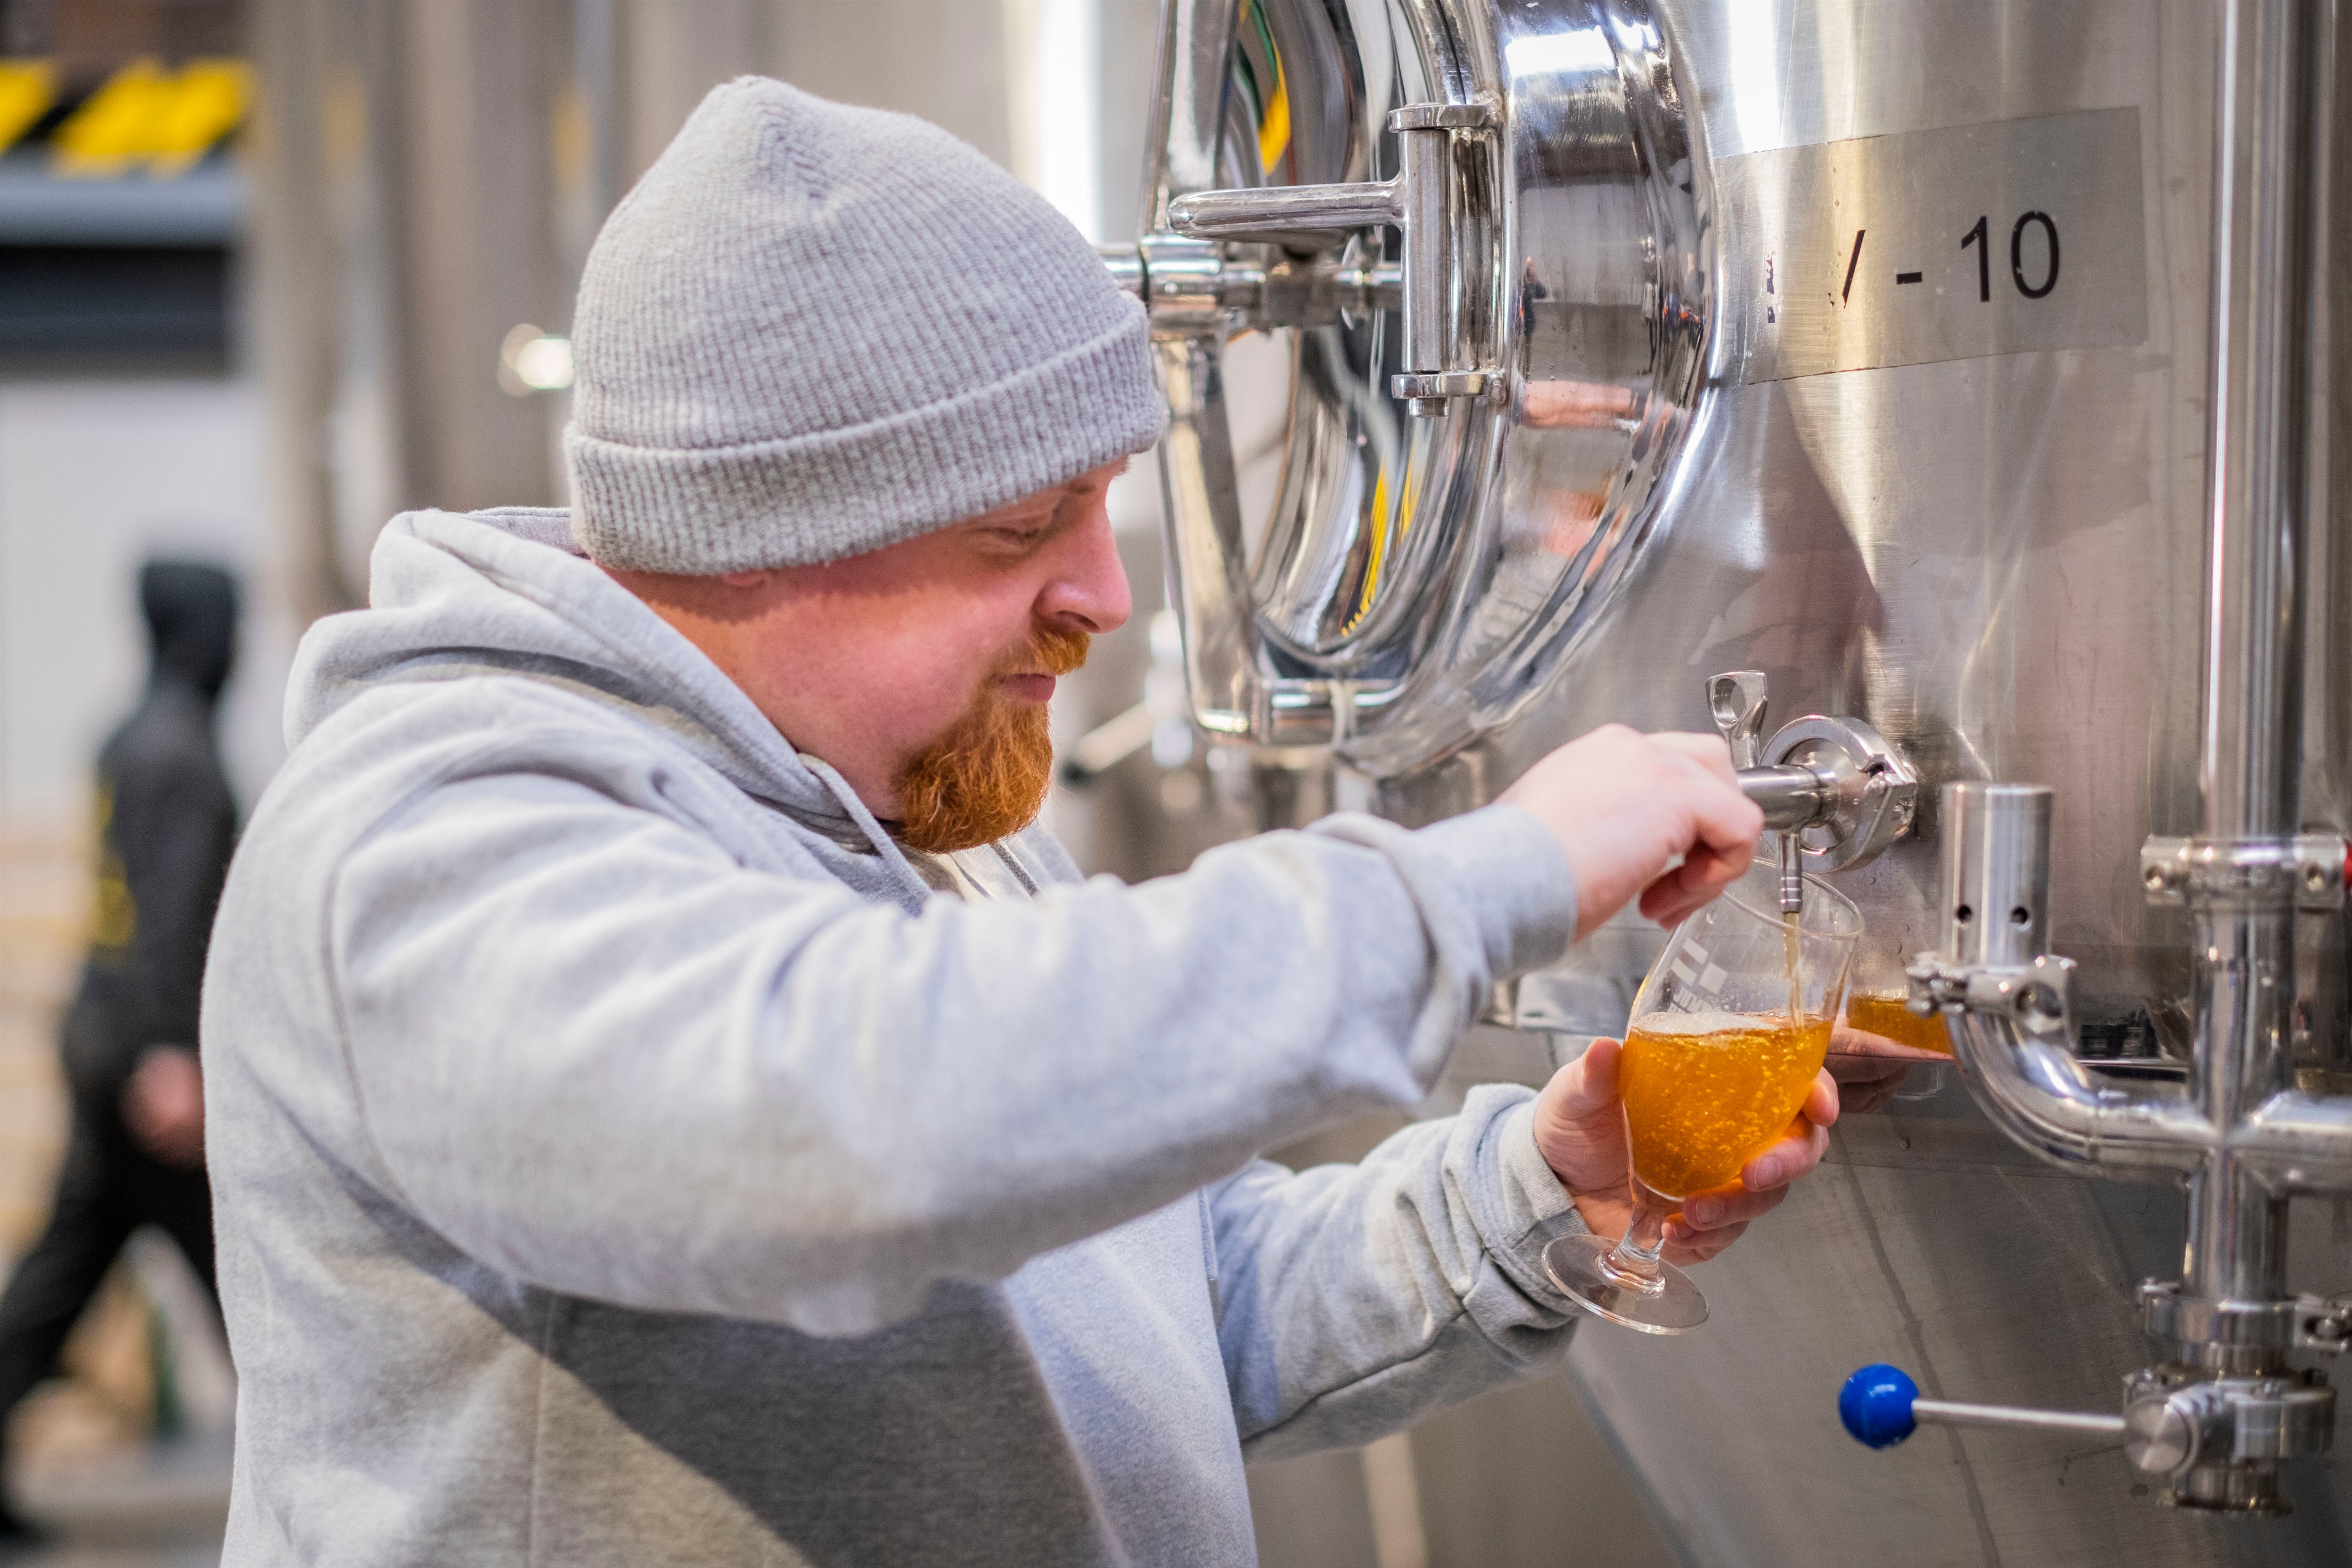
(1088, 588)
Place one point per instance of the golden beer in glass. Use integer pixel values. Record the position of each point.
(1706, 1092)
(1890, 1018)
(1882, 1052)
(1728, 1031)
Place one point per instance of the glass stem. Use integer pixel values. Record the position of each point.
(1633, 1263)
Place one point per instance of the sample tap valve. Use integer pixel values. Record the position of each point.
(2169, 1425)
(1833, 788)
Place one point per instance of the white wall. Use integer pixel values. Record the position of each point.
(95, 475)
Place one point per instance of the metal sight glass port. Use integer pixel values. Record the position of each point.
(1729, 1030)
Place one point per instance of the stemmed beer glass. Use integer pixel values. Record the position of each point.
(1728, 1029)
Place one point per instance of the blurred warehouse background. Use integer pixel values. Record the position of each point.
(274, 270)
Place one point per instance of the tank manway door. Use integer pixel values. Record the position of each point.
(1459, 259)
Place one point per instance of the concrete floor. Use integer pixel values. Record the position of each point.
(162, 1507)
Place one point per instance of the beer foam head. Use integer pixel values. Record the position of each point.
(1708, 1021)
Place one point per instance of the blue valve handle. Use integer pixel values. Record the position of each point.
(1876, 1406)
(1881, 1406)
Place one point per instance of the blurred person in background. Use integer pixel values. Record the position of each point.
(670, 1101)
(166, 826)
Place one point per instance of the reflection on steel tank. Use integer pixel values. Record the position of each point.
(1874, 361)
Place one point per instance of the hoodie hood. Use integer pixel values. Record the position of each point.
(191, 611)
(506, 591)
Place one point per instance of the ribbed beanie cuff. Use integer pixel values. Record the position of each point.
(815, 498)
(813, 330)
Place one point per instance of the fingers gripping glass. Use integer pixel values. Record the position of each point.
(1727, 1032)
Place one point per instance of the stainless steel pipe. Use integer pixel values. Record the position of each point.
(1952, 1413)
(1255, 213)
(1791, 797)
(2250, 742)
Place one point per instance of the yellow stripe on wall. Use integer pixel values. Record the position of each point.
(28, 89)
(148, 117)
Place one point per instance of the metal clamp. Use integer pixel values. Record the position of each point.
(1425, 202)
(2307, 872)
(1489, 384)
(2323, 1325)
(2167, 1314)
(2038, 997)
(1444, 116)
(2319, 1324)
(1181, 282)
(1870, 790)
(1833, 785)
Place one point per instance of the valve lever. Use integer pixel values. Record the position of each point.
(1737, 699)
(2170, 1423)
(1881, 1406)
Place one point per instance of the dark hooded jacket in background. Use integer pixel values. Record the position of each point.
(167, 824)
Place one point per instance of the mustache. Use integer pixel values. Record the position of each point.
(1050, 650)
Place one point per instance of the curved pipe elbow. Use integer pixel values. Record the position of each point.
(2035, 1091)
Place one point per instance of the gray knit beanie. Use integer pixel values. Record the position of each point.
(812, 330)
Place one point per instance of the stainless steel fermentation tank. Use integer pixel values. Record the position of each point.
(1926, 359)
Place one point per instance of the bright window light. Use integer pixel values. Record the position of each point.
(1053, 52)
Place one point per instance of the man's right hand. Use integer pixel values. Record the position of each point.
(1623, 806)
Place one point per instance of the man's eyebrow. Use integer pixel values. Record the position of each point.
(1027, 520)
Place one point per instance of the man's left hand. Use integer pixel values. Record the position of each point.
(1869, 1069)
(1580, 1133)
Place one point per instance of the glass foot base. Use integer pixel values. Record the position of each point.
(1673, 1306)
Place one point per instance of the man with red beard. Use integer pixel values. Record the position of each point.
(668, 1101)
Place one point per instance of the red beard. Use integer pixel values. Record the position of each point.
(986, 777)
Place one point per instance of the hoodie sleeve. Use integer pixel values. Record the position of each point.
(1354, 1300)
(595, 1052)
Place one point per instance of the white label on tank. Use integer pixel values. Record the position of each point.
(1938, 245)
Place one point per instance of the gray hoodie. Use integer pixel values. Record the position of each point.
(625, 1153)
